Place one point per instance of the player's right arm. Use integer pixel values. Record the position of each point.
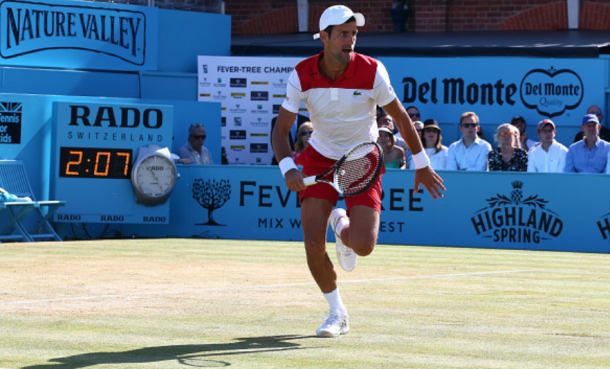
(281, 148)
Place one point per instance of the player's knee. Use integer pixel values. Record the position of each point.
(363, 247)
(315, 245)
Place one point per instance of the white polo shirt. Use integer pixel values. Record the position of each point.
(552, 161)
(342, 111)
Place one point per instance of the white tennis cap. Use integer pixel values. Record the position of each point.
(338, 14)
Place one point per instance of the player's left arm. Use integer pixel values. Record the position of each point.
(426, 175)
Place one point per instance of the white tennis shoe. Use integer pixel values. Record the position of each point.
(335, 325)
(346, 256)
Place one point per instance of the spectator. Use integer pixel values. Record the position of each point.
(591, 154)
(303, 135)
(431, 140)
(469, 153)
(193, 152)
(385, 120)
(508, 157)
(549, 155)
(519, 122)
(604, 133)
(300, 119)
(393, 156)
(413, 113)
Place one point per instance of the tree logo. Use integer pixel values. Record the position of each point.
(211, 195)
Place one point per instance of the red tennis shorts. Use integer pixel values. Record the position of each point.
(315, 163)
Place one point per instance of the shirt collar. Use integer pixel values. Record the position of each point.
(349, 72)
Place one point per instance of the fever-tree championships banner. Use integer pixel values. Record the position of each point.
(251, 91)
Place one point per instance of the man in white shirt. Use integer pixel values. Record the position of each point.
(526, 144)
(550, 155)
(341, 89)
(469, 153)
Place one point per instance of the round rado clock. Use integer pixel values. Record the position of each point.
(154, 175)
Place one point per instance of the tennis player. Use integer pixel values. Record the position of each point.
(341, 89)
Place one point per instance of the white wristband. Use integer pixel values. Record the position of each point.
(287, 164)
(421, 160)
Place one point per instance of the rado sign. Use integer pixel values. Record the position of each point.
(108, 116)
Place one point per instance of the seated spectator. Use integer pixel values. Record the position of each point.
(431, 141)
(519, 122)
(385, 120)
(549, 155)
(481, 134)
(469, 153)
(591, 154)
(507, 157)
(303, 135)
(393, 156)
(300, 119)
(604, 133)
(193, 152)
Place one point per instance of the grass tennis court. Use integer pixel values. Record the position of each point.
(180, 303)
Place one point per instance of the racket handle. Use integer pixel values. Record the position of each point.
(308, 181)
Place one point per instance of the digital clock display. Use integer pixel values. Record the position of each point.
(88, 162)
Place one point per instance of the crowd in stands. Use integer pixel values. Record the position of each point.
(516, 151)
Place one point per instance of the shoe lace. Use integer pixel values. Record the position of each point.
(333, 318)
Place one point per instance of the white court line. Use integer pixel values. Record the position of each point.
(257, 287)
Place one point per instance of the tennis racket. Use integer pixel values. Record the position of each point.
(355, 172)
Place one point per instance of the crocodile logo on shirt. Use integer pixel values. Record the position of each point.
(357, 93)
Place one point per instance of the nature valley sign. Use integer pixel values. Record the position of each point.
(36, 30)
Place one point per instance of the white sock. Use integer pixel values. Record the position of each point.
(343, 221)
(334, 300)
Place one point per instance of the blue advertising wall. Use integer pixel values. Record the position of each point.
(497, 89)
(537, 211)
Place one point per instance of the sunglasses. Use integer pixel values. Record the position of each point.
(413, 115)
(305, 133)
(428, 130)
(468, 125)
(199, 137)
(595, 112)
(506, 134)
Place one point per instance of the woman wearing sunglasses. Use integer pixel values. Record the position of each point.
(431, 139)
(508, 157)
(303, 135)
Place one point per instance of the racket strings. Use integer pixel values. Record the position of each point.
(359, 169)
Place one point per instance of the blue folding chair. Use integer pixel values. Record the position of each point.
(13, 178)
